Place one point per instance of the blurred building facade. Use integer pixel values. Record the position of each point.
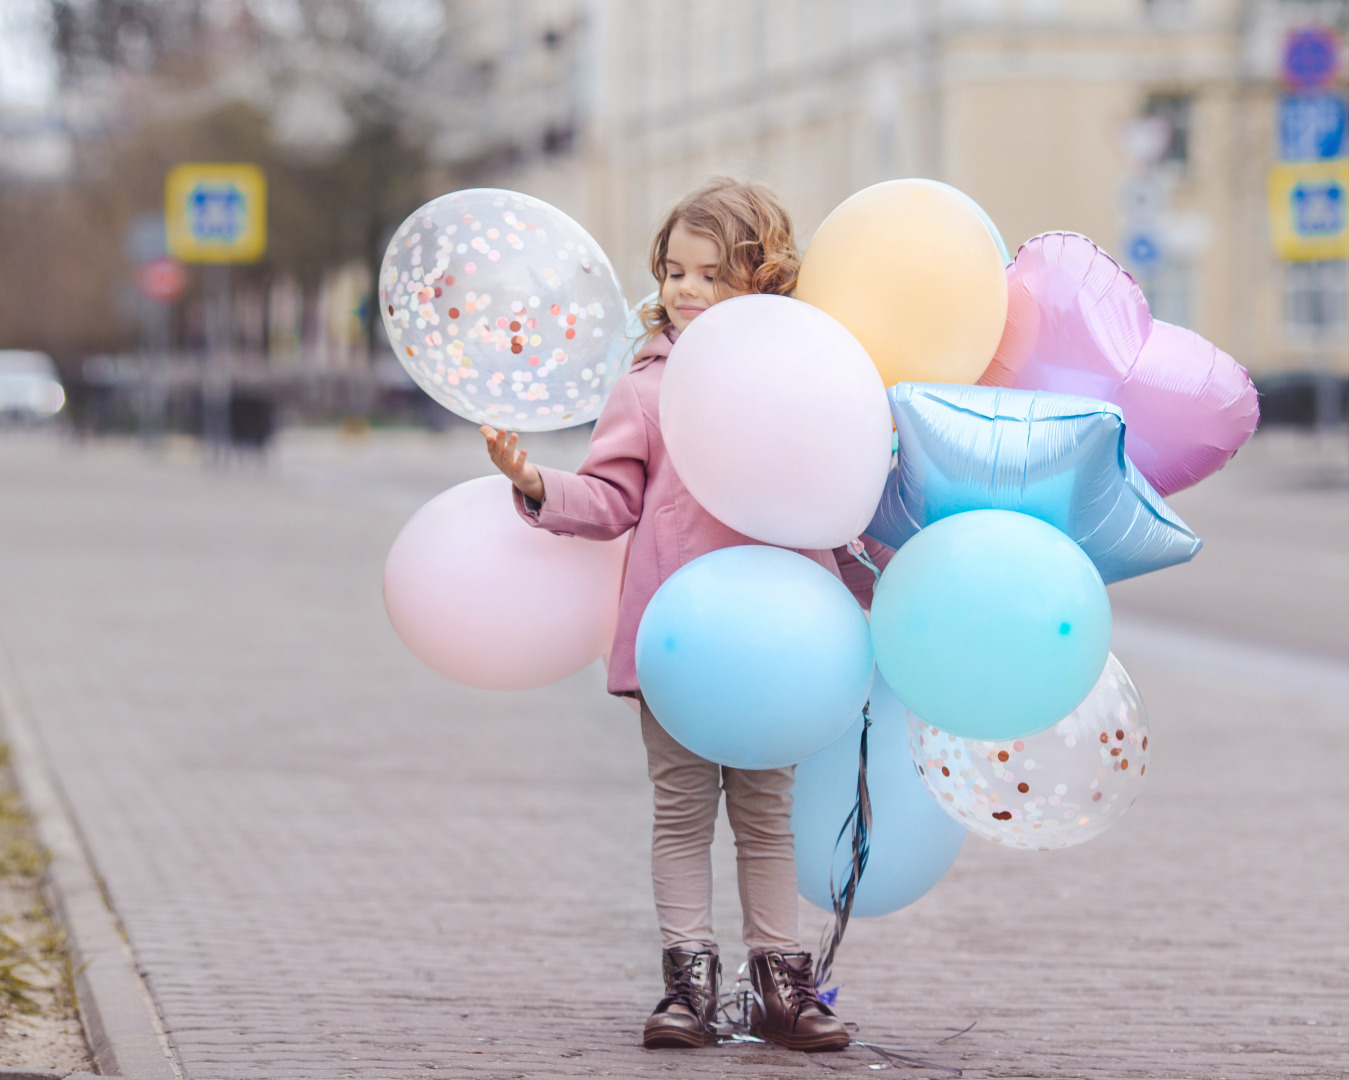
(1148, 125)
(1152, 126)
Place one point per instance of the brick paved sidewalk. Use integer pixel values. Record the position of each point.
(333, 863)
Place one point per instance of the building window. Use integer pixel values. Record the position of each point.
(1175, 110)
(1314, 301)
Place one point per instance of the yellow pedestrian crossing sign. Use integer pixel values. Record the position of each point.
(1308, 201)
(216, 213)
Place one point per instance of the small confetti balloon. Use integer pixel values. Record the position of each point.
(1050, 790)
(504, 310)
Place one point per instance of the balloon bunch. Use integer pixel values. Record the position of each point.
(1010, 504)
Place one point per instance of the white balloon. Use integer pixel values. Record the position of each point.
(504, 310)
(777, 422)
(1053, 789)
(484, 598)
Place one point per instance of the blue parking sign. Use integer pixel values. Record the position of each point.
(1311, 127)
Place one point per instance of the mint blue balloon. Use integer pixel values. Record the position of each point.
(913, 841)
(988, 221)
(754, 657)
(991, 624)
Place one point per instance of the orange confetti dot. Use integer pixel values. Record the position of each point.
(570, 334)
(556, 309)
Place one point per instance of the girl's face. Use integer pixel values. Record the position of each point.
(690, 286)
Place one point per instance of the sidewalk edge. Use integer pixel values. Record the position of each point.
(120, 1018)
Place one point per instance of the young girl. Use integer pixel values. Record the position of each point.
(726, 239)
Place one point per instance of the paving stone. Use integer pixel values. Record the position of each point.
(332, 863)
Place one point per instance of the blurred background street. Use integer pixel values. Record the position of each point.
(330, 862)
(1169, 131)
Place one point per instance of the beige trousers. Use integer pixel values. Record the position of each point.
(759, 804)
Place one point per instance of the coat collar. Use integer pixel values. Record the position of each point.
(656, 347)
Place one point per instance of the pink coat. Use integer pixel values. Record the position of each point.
(627, 481)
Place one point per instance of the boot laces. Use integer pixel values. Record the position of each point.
(799, 986)
(682, 989)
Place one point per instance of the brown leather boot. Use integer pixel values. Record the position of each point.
(788, 1010)
(688, 1010)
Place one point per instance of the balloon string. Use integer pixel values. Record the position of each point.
(859, 552)
(858, 823)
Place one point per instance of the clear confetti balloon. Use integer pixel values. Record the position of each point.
(1050, 790)
(504, 310)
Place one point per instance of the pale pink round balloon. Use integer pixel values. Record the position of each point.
(1083, 327)
(777, 422)
(487, 600)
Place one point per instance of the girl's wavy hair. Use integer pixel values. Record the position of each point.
(750, 227)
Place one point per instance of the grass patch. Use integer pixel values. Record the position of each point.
(35, 970)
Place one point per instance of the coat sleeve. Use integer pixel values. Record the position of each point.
(603, 498)
(856, 574)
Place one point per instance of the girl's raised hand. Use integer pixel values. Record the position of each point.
(501, 446)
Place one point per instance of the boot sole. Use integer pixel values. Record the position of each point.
(820, 1044)
(675, 1039)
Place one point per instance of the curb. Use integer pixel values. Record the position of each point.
(120, 1019)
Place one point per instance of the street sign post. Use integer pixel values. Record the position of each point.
(216, 213)
(161, 280)
(1311, 127)
(1307, 210)
(1143, 251)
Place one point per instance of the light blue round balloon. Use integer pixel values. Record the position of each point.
(913, 841)
(993, 229)
(991, 624)
(754, 657)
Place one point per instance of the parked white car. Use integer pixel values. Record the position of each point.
(30, 386)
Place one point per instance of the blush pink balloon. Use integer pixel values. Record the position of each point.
(1018, 333)
(1188, 406)
(487, 600)
(777, 422)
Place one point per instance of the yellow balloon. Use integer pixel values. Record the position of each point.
(911, 269)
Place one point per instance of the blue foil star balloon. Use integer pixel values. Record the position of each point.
(1056, 457)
